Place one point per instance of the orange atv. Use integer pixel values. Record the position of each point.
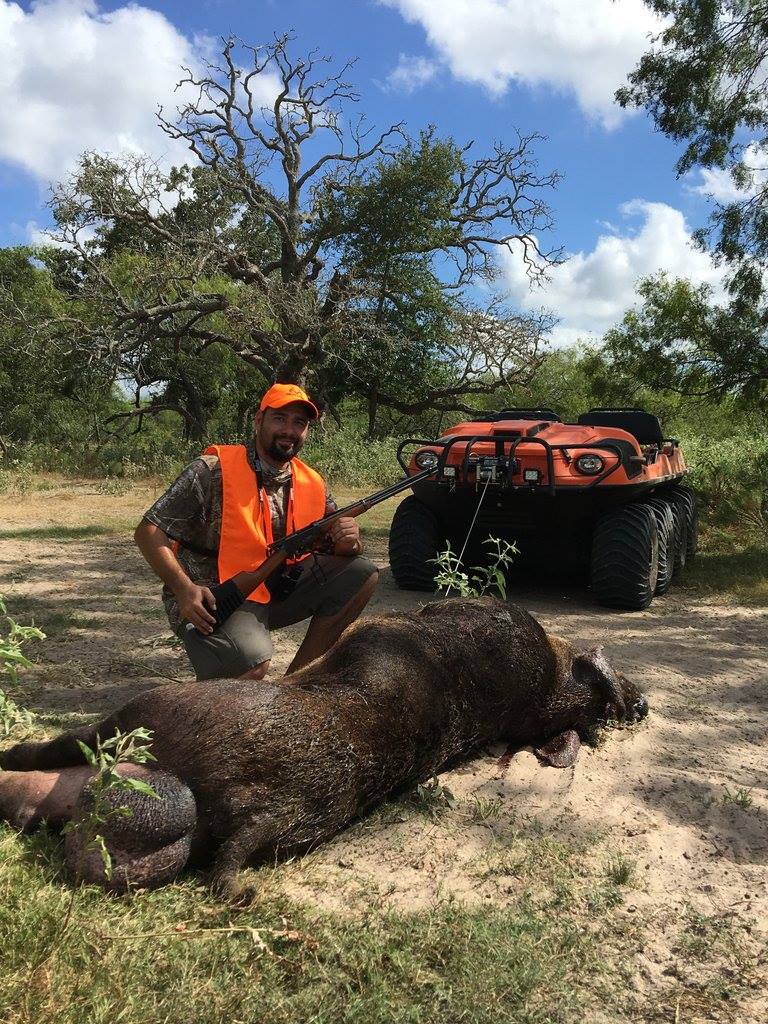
(602, 494)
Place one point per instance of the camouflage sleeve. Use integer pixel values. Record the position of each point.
(184, 511)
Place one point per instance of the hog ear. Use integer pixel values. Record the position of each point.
(605, 678)
(561, 751)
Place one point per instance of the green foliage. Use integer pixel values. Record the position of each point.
(680, 340)
(486, 808)
(741, 797)
(704, 84)
(121, 749)
(343, 456)
(479, 579)
(11, 656)
(732, 475)
(305, 248)
(12, 716)
(620, 869)
(433, 798)
(12, 659)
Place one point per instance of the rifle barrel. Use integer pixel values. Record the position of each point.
(357, 507)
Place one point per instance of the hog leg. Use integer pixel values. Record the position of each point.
(148, 838)
(253, 841)
(27, 798)
(561, 751)
(61, 752)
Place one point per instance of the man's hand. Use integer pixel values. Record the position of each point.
(194, 604)
(345, 534)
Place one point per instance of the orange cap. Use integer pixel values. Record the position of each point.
(283, 394)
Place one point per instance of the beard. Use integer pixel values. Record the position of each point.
(283, 449)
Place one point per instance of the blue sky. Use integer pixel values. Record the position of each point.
(79, 74)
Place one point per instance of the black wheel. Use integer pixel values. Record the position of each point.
(687, 498)
(625, 557)
(665, 526)
(415, 538)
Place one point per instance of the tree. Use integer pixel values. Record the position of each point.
(43, 388)
(704, 83)
(681, 340)
(348, 267)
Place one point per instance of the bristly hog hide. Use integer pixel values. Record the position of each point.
(247, 771)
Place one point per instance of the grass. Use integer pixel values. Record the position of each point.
(173, 955)
(740, 797)
(620, 870)
(64, 533)
(730, 566)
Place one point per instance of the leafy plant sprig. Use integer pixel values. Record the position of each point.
(12, 659)
(479, 579)
(120, 749)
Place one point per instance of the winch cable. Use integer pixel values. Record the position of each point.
(474, 519)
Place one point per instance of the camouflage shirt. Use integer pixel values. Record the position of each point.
(190, 512)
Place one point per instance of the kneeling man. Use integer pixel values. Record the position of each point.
(218, 518)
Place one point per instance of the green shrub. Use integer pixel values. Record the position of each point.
(731, 477)
(343, 456)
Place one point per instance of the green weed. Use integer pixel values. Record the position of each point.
(12, 660)
(479, 579)
(741, 797)
(485, 808)
(620, 869)
(433, 798)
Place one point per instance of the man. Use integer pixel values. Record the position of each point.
(217, 519)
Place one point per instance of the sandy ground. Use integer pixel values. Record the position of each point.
(683, 797)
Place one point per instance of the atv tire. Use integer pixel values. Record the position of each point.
(625, 557)
(415, 538)
(687, 498)
(665, 525)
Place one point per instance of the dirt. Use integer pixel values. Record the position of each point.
(682, 798)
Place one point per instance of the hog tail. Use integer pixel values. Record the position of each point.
(148, 838)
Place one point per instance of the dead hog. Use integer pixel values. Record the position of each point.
(245, 771)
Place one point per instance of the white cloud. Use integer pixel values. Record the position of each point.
(585, 48)
(410, 74)
(76, 78)
(717, 183)
(592, 290)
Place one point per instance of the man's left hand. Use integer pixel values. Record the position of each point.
(345, 534)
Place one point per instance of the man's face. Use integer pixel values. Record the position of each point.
(282, 432)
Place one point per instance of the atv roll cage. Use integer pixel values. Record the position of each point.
(486, 466)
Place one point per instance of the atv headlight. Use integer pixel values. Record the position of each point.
(426, 460)
(590, 465)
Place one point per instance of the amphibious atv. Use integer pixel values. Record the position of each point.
(602, 495)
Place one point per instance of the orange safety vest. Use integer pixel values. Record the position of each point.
(246, 522)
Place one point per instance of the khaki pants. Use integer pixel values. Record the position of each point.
(327, 583)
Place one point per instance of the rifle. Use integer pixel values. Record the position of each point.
(230, 594)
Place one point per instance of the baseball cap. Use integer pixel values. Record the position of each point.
(283, 394)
